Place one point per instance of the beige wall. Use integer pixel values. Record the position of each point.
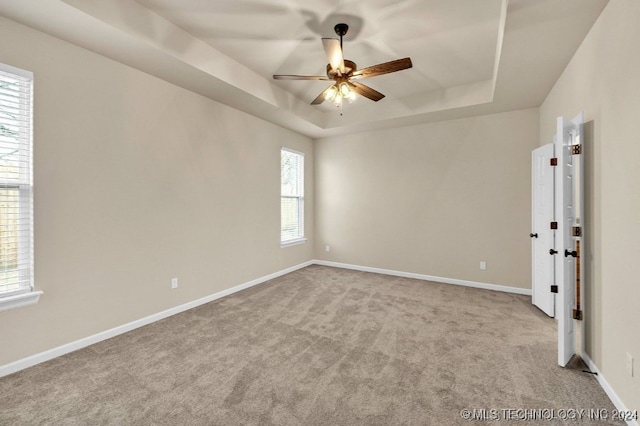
(603, 79)
(138, 181)
(432, 199)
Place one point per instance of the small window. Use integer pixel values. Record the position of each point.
(16, 192)
(291, 197)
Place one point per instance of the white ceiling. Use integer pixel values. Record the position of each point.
(450, 46)
(469, 57)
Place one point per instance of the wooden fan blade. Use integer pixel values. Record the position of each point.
(385, 68)
(300, 77)
(366, 91)
(320, 98)
(334, 54)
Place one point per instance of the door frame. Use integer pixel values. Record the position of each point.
(569, 211)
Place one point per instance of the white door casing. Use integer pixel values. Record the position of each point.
(542, 237)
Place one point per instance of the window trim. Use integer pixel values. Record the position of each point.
(293, 242)
(26, 295)
(302, 238)
(18, 300)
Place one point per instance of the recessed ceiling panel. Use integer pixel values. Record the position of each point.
(451, 43)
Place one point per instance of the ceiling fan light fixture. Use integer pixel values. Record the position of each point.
(338, 93)
(344, 89)
(331, 93)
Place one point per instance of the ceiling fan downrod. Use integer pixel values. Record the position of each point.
(341, 30)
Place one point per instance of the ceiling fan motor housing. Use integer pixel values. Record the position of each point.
(350, 67)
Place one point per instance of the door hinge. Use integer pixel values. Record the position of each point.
(553, 225)
(576, 231)
(553, 161)
(576, 149)
(577, 314)
(554, 289)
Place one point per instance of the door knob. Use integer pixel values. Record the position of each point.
(552, 251)
(534, 235)
(568, 253)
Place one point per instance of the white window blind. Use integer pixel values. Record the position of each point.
(292, 195)
(16, 205)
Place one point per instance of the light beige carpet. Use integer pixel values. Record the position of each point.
(320, 346)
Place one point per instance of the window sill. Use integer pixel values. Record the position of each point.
(295, 242)
(19, 300)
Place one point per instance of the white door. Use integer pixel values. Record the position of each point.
(568, 208)
(542, 202)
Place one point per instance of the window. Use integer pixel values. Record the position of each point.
(291, 197)
(16, 203)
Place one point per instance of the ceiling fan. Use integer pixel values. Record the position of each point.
(343, 72)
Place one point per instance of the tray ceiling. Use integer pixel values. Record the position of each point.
(469, 57)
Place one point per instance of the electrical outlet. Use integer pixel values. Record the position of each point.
(483, 265)
(629, 364)
(174, 283)
(327, 248)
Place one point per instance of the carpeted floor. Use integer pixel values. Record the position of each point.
(319, 346)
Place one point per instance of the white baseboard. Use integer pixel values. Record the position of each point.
(613, 396)
(466, 283)
(104, 335)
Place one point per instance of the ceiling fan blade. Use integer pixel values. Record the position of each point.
(385, 68)
(334, 54)
(366, 91)
(320, 98)
(300, 77)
